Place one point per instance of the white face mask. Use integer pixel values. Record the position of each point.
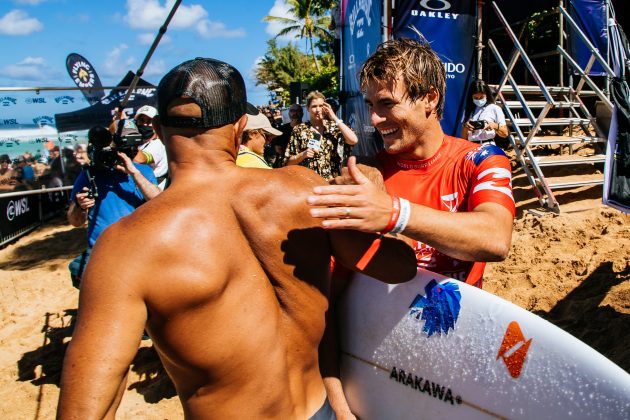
(479, 102)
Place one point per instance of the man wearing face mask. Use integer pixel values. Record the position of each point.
(152, 151)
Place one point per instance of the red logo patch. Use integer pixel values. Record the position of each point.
(514, 349)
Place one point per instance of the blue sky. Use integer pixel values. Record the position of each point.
(115, 36)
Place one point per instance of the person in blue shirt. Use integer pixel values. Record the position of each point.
(101, 195)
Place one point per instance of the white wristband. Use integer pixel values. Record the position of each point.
(403, 217)
(339, 121)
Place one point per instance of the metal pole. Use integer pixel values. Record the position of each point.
(38, 89)
(156, 41)
(561, 41)
(479, 46)
(608, 58)
(386, 17)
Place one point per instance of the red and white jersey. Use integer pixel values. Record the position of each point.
(459, 177)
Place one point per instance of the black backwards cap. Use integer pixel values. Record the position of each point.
(217, 87)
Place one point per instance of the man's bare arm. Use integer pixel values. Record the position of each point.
(148, 189)
(484, 234)
(112, 315)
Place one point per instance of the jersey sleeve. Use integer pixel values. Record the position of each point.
(492, 178)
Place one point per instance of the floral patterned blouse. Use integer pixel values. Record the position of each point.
(333, 150)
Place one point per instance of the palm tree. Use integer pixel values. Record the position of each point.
(307, 21)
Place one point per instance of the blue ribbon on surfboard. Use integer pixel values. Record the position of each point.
(439, 308)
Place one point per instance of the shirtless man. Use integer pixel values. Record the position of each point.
(232, 287)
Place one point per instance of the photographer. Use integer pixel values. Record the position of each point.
(484, 119)
(315, 143)
(152, 151)
(111, 187)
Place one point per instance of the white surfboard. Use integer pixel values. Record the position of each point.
(438, 348)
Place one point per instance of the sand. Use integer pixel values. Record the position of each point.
(572, 269)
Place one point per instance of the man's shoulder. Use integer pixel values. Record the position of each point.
(282, 188)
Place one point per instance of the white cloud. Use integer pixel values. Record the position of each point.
(150, 14)
(29, 2)
(29, 69)
(209, 29)
(18, 22)
(148, 37)
(279, 9)
(155, 68)
(115, 63)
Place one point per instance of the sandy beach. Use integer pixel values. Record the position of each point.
(572, 269)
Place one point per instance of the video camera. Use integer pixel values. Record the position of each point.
(478, 125)
(103, 147)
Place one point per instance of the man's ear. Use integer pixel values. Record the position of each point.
(239, 126)
(432, 98)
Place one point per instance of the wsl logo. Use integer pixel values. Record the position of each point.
(35, 100)
(7, 101)
(43, 120)
(16, 208)
(64, 100)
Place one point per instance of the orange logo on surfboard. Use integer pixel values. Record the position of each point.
(514, 349)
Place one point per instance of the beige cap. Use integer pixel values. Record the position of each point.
(147, 110)
(260, 121)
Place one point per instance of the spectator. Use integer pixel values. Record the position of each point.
(256, 134)
(315, 144)
(72, 167)
(54, 178)
(152, 151)
(8, 177)
(275, 150)
(484, 119)
(81, 154)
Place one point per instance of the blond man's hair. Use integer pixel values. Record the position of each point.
(414, 62)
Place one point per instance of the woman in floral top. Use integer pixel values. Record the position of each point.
(316, 144)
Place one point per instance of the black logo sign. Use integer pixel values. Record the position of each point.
(425, 386)
(17, 207)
